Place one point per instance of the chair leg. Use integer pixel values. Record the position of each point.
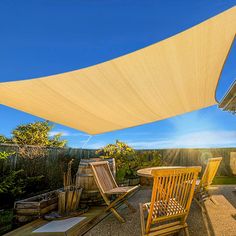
(186, 232)
(199, 204)
(129, 206)
(117, 215)
(142, 219)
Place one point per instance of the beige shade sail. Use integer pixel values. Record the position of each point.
(174, 76)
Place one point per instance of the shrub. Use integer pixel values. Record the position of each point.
(124, 157)
(128, 161)
(15, 183)
(12, 183)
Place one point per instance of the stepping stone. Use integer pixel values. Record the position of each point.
(66, 227)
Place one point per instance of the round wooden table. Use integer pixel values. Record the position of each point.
(146, 176)
(146, 172)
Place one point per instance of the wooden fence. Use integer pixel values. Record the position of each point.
(199, 156)
(52, 164)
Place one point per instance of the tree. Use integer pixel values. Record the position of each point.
(3, 139)
(33, 139)
(37, 134)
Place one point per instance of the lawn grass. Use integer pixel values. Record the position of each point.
(219, 180)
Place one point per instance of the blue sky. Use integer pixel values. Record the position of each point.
(39, 38)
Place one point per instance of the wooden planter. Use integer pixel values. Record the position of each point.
(35, 207)
(134, 181)
(129, 182)
(124, 182)
(68, 200)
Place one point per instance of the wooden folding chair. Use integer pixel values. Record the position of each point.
(108, 187)
(172, 195)
(201, 191)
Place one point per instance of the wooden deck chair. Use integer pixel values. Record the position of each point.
(172, 195)
(201, 192)
(108, 187)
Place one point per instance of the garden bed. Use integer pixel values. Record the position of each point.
(34, 207)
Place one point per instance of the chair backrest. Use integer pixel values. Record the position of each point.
(210, 171)
(172, 191)
(103, 176)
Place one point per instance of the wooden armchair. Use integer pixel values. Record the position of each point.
(108, 187)
(172, 195)
(201, 192)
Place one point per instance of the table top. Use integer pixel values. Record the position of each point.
(146, 172)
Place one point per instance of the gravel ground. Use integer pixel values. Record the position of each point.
(223, 215)
(227, 191)
(199, 223)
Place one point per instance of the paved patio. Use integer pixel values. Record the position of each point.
(220, 220)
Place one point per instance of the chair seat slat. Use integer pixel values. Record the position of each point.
(121, 190)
